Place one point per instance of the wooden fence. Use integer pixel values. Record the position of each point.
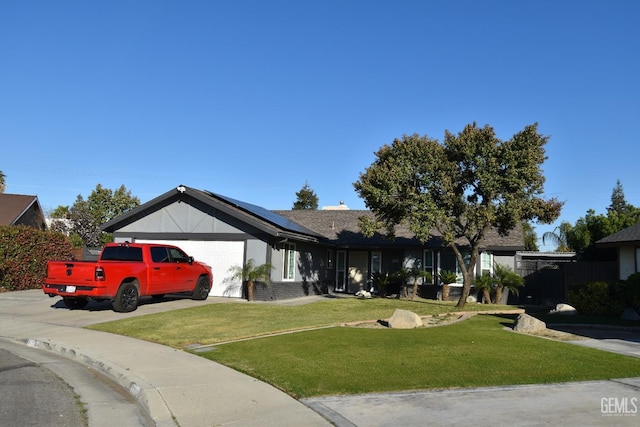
(547, 281)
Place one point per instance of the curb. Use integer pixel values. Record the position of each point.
(147, 396)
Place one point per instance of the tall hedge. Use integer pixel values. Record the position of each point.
(24, 252)
(605, 298)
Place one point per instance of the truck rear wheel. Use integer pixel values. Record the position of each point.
(201, 292)
(126, 299)
(75, 303)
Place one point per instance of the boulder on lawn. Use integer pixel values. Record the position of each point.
(564, 309)
(529, 324)
(405, 319)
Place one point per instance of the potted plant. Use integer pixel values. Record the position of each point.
(446, 278)
(250, 274)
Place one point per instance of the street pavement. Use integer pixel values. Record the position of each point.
(177, 388)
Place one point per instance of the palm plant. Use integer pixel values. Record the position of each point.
(446, 278)
(403, 276)
(416, 274)
(250, 274)
(381, 281)
(558, 237)
(485, 284)
(505, 277)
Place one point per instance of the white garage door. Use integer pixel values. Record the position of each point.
(221, 256)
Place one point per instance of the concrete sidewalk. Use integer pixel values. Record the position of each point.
(175, 387)
(178, 388)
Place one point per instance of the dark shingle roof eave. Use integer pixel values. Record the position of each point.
(626, 237)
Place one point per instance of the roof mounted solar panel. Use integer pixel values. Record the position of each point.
(265, 214)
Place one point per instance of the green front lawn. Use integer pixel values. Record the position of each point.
(214, 323)
(347, 360)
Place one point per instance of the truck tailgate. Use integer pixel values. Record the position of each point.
(70, 272)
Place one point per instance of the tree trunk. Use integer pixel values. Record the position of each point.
(250, 288)
(466, 289)
(415, 290)
(486, 296)
(498, 294)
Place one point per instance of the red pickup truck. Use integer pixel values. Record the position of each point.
(124, 273)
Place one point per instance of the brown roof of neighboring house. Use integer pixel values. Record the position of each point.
(14, 206)
(341, 227)
(627, 236)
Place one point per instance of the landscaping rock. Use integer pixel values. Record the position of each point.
(564, 309)
(471, 299)
(363, 294)
(405, 319)
(529, 324)
(630, 314)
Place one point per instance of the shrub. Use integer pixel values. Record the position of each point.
(598, 298)
(632, 293)
(24, 252)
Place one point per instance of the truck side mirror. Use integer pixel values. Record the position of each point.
(190, 260)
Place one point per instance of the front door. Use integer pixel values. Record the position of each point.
(358, 270)
(341, 271)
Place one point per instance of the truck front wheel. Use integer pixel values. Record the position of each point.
(126, 299)
(201, 292)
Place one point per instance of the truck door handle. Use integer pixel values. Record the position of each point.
(156, 268)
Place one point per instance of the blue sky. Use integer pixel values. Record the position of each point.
(251, 99)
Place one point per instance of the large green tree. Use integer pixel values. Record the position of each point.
(462, 188)
(306, 199)
(101, 205)
(2, 182)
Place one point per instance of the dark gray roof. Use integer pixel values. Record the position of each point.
(335, 227)
(629, 235)
(255, 216)
(341, 228)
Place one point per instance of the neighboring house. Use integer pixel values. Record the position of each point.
(627, 242)
(18, 209)
(312, 251)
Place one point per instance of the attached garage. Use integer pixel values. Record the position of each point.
(216, 230)
(221, 256)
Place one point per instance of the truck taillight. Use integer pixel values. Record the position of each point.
(99, 273)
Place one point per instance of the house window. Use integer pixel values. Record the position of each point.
(330, 259)
(486, 263)
(376, 262)
(289, 267)
(449, 262)
(428, 263)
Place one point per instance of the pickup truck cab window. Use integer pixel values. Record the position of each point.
(159, 254)
(178, 256)
(121, 253)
